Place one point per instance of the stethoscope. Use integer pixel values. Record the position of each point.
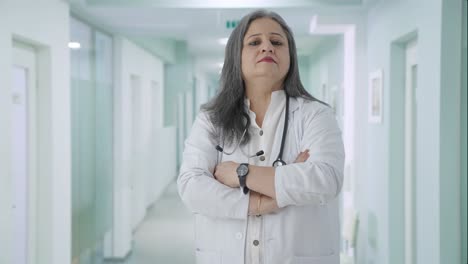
(279, 161)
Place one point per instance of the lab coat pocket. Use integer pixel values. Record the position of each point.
(330, 259)
(207, 257)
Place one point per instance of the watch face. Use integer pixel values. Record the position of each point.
(242, 170)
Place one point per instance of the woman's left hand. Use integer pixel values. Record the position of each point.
(226, 173)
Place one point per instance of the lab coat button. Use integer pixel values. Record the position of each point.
(239, 235)
(256, 242)
(262, 158)
(261, 133)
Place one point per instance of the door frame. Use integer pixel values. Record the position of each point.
(396, 184)
(25, 56)
(410, 151)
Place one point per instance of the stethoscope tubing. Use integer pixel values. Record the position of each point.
(279, 160)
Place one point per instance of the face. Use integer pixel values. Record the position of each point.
(265, 51)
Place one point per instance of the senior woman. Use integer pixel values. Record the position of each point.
(257, 193)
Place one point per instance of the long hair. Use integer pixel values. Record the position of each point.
(226, 110)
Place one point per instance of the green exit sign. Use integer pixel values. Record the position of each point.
(230, 24)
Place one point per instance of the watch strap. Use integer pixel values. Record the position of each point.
(243, 179)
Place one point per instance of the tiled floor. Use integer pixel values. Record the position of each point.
(166, 234)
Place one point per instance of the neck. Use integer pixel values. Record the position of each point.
(259, 95)
(261, 89)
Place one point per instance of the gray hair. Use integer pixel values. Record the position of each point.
(226, 110)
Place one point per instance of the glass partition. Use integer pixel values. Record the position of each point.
(92, 139)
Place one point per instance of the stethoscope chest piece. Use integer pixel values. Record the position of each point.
(278, 163)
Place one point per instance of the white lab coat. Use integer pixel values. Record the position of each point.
(306, 227)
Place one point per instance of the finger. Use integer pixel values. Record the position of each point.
(299, 158)
(303, 156)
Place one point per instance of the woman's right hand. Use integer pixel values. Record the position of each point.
(302, 157)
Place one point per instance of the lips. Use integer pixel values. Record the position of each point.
(267, 59)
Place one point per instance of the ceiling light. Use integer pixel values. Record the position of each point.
(223, 41)
(74, 45)
(313, 24)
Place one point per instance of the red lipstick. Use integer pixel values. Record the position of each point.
(267, 59)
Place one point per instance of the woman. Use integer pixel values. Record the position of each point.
(246, 210)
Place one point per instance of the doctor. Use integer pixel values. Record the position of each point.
(247, 210)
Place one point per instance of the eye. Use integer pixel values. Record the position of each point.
(254, 43)
(276, 43)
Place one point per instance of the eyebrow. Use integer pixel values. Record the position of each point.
(272, 33)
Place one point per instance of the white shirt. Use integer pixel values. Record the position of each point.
(262, 138)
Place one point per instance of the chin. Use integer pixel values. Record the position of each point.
(265, 73)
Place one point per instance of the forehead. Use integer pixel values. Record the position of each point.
(264, 26)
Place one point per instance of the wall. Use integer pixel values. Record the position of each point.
(350, 28)
(326, 76)
(135, 182)
(162, 48)
(449, 171)
(303, 62)
(164, 169)
(204, 82)
(463, 136)
(179, 79)
(43, 25)
(326, 67)
(389, 22)
(201, 91)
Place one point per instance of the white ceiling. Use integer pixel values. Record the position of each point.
(201, 23)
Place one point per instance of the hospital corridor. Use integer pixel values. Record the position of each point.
(164, 236)
(98, 100)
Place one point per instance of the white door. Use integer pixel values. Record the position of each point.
(410, 150)
(23, 124)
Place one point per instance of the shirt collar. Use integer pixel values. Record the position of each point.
(276, 97)
(277, 100)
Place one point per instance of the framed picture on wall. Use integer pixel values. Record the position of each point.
(375, 100)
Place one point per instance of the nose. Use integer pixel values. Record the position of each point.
(267, 47)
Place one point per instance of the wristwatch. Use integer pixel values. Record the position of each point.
(242, 172)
